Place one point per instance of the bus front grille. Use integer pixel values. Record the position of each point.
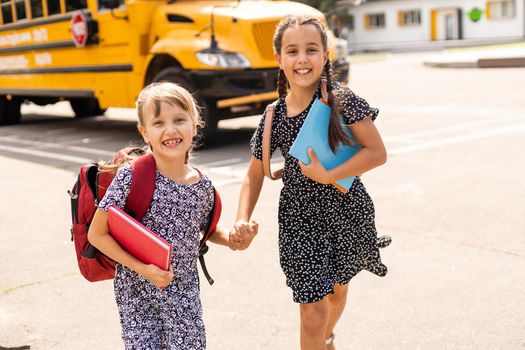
(263, 34)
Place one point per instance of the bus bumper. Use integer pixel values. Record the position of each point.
(237, 93)
(246, 92)
(226, 84)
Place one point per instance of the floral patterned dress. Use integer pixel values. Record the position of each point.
(171, 318)
(325, 236)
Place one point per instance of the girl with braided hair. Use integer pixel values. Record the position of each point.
(325, 236)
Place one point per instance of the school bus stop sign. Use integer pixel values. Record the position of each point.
(79, 29)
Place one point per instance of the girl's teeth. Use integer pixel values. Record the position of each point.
(303, 71)
(172, 142)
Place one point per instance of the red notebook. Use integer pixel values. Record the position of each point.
(138, 240)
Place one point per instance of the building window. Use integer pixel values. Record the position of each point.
(409, 18)
(501, 9)
(375, 21)
(351, 23)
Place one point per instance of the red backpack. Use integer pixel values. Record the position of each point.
(89, 190)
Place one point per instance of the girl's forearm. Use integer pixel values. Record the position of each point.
(371, 155)
(107, 245)
(100, 238)
(250, 190)
(220, 236)
(366, 159)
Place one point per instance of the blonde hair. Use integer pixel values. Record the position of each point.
(122, 157)
(171, 93)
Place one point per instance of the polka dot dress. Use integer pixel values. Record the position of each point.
(325, 236)
(172, 318)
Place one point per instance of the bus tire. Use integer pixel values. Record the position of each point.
(10, 113)
(209, 114)
(86, 107)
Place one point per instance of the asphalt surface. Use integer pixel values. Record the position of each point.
(451, 196)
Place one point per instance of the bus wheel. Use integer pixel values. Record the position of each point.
(10, 111)
(86, 107)
(174, 74)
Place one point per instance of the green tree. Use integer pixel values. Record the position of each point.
(321, 5)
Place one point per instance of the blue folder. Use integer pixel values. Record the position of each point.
(314, 134)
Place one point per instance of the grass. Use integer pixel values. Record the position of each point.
(368, 57)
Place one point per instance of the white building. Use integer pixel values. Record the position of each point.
(391, 23)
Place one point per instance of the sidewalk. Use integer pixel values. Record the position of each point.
(497, 56)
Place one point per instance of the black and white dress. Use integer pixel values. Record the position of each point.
(325, 236)
(171, 318)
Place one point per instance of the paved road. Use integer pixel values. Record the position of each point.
(450, 196)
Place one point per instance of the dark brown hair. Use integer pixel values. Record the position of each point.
(336, 134)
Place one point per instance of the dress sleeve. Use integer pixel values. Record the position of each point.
(355, 108)
(118, 191)
(256, 141)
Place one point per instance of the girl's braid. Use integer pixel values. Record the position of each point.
(336, 134)
(282, 83)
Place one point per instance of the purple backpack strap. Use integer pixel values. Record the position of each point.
(143, 171)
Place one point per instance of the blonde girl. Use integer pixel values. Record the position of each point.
(325, 237)
(162, 309)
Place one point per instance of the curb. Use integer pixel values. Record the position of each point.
(502, 62)
(508, 62)
(467, 64)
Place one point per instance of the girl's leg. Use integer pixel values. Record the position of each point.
(314, 318)
(336, 305)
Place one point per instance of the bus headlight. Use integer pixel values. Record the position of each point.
(223, 59)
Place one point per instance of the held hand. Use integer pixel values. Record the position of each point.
(315, 170)
(235, 241)
(243, 235)
(160, 278)
(253, 229)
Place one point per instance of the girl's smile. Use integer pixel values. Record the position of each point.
(302, 71)
(171, 142)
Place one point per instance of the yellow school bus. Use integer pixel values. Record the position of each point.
(100, 53)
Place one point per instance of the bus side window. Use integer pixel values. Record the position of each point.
(7, 15)
(53, 7)
(36, 8)
(20, 7)
(102, 4)
(73, 5)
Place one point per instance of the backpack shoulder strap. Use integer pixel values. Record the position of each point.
(324, 91)
(213, 219)
(142, 186)
(267, 137)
